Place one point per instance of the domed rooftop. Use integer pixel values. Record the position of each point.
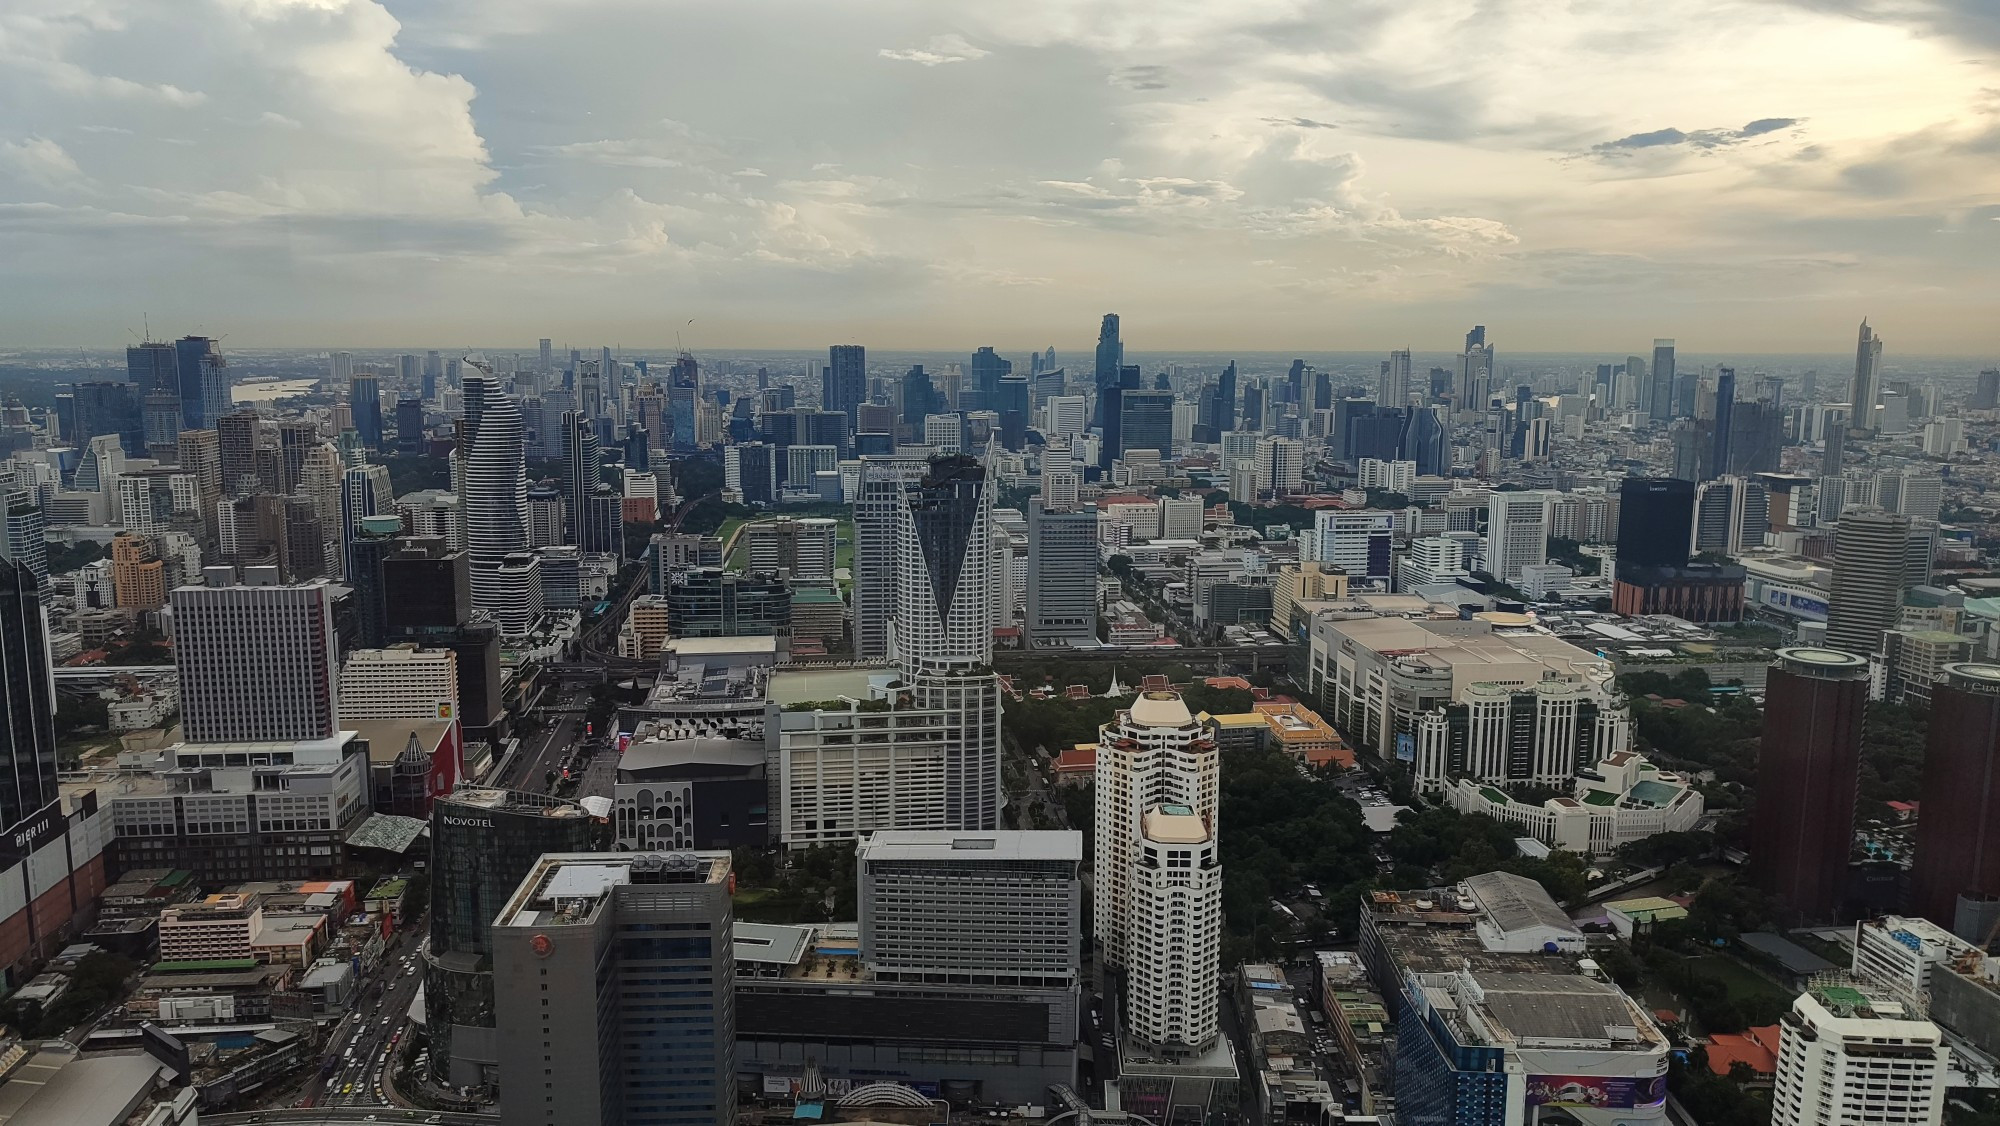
(884, 1094)
(1160, 709)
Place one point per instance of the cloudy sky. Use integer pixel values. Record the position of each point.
(1750, 175)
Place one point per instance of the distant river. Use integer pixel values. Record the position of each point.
(267, 390)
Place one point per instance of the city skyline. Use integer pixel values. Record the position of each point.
(1226, 176)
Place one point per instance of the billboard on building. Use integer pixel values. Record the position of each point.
(1608, 1092)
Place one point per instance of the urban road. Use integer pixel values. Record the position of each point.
(365, 1043)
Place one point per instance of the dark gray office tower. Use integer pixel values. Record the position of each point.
(1143, 420)
(1655, 521)
(427, 598)
(1427, 442)
(1225, 400)
(621, 1009)
(712, 602)
(1295, 381)
(1012, 405)
(152, 366)
(844, 380)
(987, 370)
(1725, 412)
(27, 699)
(1831, 463)
(1110, 358)
(583, 459)
(108, 408)
(1252, 415)
(483, 842)
(1986, 395)
(920, 398)
(1062, 576)
(1660, 403)
(364, 400)
(409, 425)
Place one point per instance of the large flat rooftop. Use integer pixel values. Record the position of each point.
(945, 846)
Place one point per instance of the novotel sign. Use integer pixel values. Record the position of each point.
(465, 822)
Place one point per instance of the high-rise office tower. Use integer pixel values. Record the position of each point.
(427, 598)
(1725, 413)
(545, 360)
(1870, 553)
(152, 366)
(364, 398)
(409, 425)
(1655, 521)
(1110, 359)
(1153, 754)
(204, 381)
(844, 381)
(1986, 394)
(1864, 391)
(1958, 836)
(1137, 420)
(340, 367)
(1062, 575)
(484, 841)
(1475, 373)
(257, 659)
(877, 505)
(27, 699)
(1395, 388)
(371, 541)
(1517, 533)
(433, 371)
(238, 437)
(1427, 441)
(1802, 827)
(609, 938)
(583, 461)
(988, 368)
(683, 397)
(506, 581)
(1660, 398)
(1251, 417)
(1857, 1052)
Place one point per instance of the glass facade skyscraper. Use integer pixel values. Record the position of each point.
(27, 698)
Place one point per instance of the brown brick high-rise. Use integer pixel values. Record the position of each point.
(1958, 825)
(1802, 828)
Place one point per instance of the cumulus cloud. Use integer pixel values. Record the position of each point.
(941, 49)
(38, 159)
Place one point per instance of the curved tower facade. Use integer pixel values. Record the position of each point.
(1958, 835)
(495, 506)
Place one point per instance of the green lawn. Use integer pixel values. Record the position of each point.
(734, 560)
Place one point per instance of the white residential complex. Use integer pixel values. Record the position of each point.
(1858, 1054)
(1174, 934)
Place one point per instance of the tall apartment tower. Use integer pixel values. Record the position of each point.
(27, 699)
(1395, 384)
(1062, 576)
(1002, 904)
(590, 946)
(257, 660)
(1174, 934)
(583, 459)
(944, 569)
(878, 503)
(1871, 551)
(1517, 533)
(506, 578)
(364, 398)
(1151, 755)
(1864, 391)
(1856, 1053)
(1802, 828)
(1958, 837)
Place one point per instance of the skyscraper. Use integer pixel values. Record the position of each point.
(1517, 533)
(152, 366)
(204, 381)
(583, 459)
(683, 399)
(1802, 827)
(1870, 554)
(844, 381)
(1152, 754)
(1858, 1052)
(988, 369)
(495, 507)
(608, 939)
(27, 699)
(258, 660)
(364, 399)
(1725, 415)
(1660, 400)
(1062, 575)
(1110, 358)
(1655, 521)
(1137, 420)
(1864, 391)
(1958, 836)
(1395, 389)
